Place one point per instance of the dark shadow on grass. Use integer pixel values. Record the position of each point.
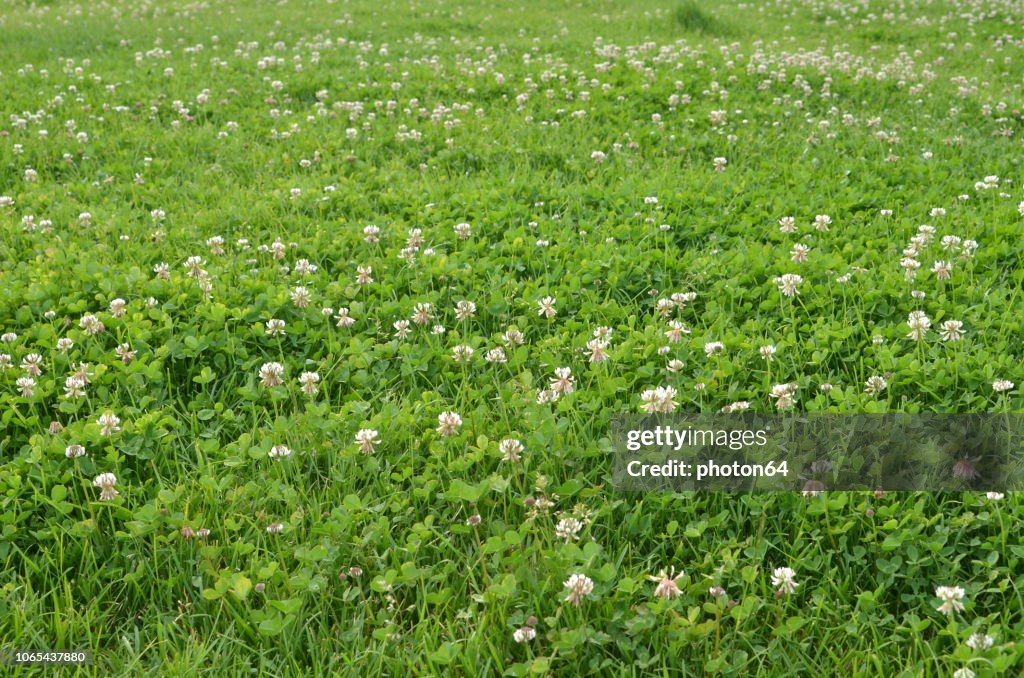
(692, 17)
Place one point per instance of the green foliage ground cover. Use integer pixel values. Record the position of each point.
(579, 143)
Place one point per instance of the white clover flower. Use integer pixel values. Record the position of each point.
(366, 439)
(980, 641)
(343, 318)
(667, 584)
(524, 634)
(951, 597)
(675, 331)
(415, 239)
(910, 266)
(279, 452)
(309, 381)
(659, 399)
(117, 308)
(789, 283)
(513, 337)
(30, 364)
(82, 373)
(784, 395)
(271, 374)
(74, 388)
(875, 385)
(422, 314)
(301, 297)
(563, 381)
(162, 271)
(784, 579)
(106, 483)
(74, 451)
(464, 310)
(568, 529)
(1002, 385)
(496, 355)
(26, 386)
(305, 267)
(919, 324)
(942, 270)
(598, 350)
(664, 307)
(680, 299)
(275, 327)
(277, 248)
(91, 325)
(546, 307)
(194, 265)
(511, 450)
(124, 353)
(448, 423)
(109, 423)
(545, 396)
(578, 587)
(951, 330)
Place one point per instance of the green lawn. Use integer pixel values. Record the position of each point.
(219, 165)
